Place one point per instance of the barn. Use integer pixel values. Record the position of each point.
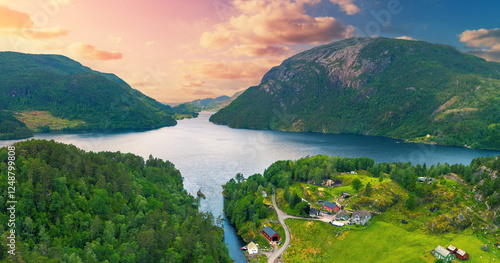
(462, 255)
(270, 234)
(331, 206)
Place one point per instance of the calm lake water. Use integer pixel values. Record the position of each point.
(208, 155)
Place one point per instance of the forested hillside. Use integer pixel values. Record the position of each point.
(76, 206)
(404, 89)
(68, 90)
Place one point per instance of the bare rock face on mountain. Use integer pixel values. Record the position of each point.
(387, 87)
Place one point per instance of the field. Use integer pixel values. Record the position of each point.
(314, 241)
(35, 120)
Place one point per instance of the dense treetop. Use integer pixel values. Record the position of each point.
(76, 206)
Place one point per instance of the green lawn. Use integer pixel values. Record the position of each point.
(314, 241)
(37, 119)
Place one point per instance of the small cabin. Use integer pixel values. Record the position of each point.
(345, 195)
(270, 234)
(452, 249)
(462, 255)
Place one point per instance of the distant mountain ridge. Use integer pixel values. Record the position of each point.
(216, 104)
(69, 90)
(411, 90)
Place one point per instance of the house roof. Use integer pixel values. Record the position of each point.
(269, 231)
(252, 245)
(361, 213)
(452, 248)
(461, 252)
(442, 251)
(341, 214)
(330, 205)
(313, 211)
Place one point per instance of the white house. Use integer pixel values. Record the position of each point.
(252, 249)
(361, 217)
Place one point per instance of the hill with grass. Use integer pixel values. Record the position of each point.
(421, 207)
(411, 90)
(76, 206)
(63, 89)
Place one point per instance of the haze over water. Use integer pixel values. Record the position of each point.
(209, 155)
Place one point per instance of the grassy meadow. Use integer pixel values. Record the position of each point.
(314, 241)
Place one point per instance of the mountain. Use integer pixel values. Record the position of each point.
(205, 102)
(404, 89)
(65, 89)
(215, 104)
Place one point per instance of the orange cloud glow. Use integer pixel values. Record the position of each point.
(20, 24)
(215, 69)
(264, 27)
(12, 19)
(91, 52)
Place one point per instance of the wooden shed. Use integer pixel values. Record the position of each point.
(462, 255)
(270, 234)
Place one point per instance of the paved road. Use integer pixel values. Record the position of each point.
(281, 218)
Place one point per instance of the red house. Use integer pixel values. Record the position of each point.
(452, 249)
(270, 234)
(331, 206)
(462, 255)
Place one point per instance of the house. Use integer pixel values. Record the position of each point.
(331, 206)
(462, 255)
(270, 234)
(452, 249)
(252, 249)
(264, 194)
(314, 212)
(345, 195)
(361, 217)
(421, 179)
(353, 172)
(441, 253)
(342, 215)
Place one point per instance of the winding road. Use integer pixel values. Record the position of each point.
(281, 218)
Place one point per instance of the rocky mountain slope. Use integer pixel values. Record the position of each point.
(412, 90)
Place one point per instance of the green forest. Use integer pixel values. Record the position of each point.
(76, 206)
(410, 90)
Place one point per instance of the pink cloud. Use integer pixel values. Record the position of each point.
(264, 27)
(347, 6)
(91, 52)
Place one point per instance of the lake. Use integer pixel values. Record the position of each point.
(209, 155)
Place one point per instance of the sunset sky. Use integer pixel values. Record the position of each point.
(178, 51)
